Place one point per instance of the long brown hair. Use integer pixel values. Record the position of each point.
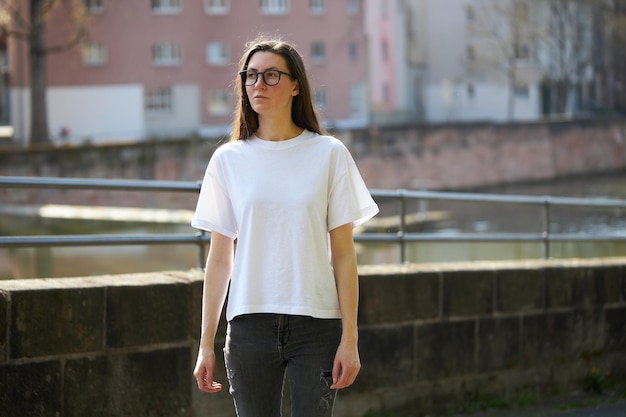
(303, 112)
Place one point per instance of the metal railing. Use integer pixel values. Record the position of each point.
(547, 203)
(201, 239)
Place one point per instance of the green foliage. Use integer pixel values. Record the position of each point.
(596, 380)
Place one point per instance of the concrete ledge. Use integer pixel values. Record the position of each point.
(430, 335)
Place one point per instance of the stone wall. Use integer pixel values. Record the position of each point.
(475, 155)
(431, 336)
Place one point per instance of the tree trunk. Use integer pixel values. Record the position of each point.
(37, 55)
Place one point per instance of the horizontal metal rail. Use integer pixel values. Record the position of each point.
(497, 198)
(102, 240)
(98, 184)
(201, 239)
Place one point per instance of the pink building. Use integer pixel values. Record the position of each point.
(165, 68)
(397, 45)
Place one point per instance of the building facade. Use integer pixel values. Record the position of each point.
(438, 61)
(166, 68)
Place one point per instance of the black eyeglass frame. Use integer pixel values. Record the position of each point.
(244, 75)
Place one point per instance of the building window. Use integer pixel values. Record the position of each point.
(94, 6)
(384, 50)
(470, 13)
(166, 6)
(158, 100)
(357, 100)
(386, 93)
(94, 54)
(521, 12)
(522, 52)
(318, 6)
(353, 51)
(166, 54)
(471, 90)
(471, 53)
(318, 52)
(353, 7)
(274, 7)
(219, 103)
(217, 53)
(320, 99)
(521, 91)
(219, 7)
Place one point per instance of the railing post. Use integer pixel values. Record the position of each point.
(202, 250)
(401, 225)
(546, 228)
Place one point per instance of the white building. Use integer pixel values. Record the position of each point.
(470, 60)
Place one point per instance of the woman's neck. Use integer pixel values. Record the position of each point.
(277, 131)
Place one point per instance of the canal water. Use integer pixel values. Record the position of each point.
(441, 218)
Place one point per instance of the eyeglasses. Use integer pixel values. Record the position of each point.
(270, 77)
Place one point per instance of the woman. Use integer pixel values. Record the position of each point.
(289, 194)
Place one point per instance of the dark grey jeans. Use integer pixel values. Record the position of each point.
(260, 347)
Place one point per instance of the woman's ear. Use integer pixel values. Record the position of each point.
(296, 89)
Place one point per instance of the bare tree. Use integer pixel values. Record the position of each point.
(617, 81)
(504, 34)
(26, 20)
(568, 53)
(609, 59)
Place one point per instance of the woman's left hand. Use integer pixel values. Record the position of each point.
(346, 366)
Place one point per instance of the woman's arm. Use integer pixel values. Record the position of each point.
(347, 363)
(219, 267)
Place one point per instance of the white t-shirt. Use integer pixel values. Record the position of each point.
(280, 199)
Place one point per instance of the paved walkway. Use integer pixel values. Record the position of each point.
(607, 407)
(612, 410)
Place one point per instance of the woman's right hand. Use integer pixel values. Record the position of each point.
(203, 372)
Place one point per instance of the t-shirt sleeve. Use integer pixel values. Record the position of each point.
(214, 211)
(349, 199)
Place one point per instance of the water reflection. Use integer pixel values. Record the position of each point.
(433, 217)
(470, 217)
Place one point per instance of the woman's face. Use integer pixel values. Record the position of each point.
(271, 100)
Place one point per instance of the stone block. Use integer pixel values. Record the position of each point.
(55, 321)
(520, 290)
(4, 317)
(616, 329)
(402, 298)
(154, 383)
(467, 293)
(195, 321)
(588, 332)
(445, 349)
(573, 286)
(148, 314)
(608, 282)
(387, 356)
(31, 389)
(623, 283)
(498, 344)
(548, 338)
